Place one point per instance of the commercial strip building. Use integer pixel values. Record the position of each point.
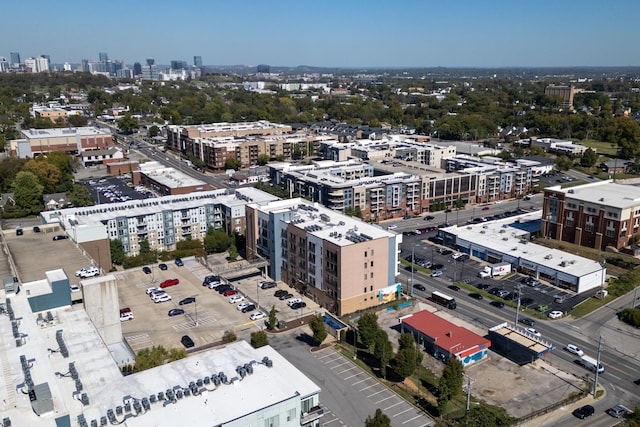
(61, 366)
(518, 344)
(444, 339)
(69, 140)
(167, 181)
(161, 221)
(597, 215)
(342, 263)
(509, 240)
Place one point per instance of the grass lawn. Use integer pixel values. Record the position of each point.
(601, 147)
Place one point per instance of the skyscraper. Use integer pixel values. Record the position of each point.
(137, 68)
(197, 61)
(177, 64)
(151, 61)
(264, 69)
(103, 56)
(15, 59)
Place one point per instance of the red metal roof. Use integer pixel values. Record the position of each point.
(447, 336)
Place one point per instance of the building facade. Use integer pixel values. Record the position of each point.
(342, 263)
(69, 140)
(597, 215)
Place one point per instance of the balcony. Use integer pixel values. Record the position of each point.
(314, 413)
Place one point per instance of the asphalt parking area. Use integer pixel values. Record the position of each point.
(205, 321)
(113, 189)
(371, 393)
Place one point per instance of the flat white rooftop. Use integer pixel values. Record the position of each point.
(65, 132)
(605, 193)
(169, 177)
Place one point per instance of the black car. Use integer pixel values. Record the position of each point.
(223, 288)
(175, 312)
(297, 305)
(454, 287)
(60, 237)
(526, 301)
(419, 287)
(187, 300)
(36, 229)
(495, 290)
(498, 304)
(285, 296)
(429, 218)
(584, 412)
(483, 286)
(476, 296)
(210, 279)
(527, 321)
(162, 266)
(187, 341)
(437, 266)
(249, 308)
(19, 232)
(146, 270)
(280, 292)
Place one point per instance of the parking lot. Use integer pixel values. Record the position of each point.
(206, 320)
(115, 189)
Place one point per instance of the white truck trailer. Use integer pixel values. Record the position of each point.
(495, 270)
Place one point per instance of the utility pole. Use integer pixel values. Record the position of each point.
(468, 392)
(518, 287)
(595, 382)
(412, 268)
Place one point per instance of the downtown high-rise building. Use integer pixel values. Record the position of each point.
(103, 56)
(15, 59)
(178, 64)
(197, 61)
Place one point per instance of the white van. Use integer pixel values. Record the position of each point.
(126, 314)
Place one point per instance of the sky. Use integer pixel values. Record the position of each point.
(328, 33)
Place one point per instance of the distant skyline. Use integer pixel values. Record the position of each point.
(400, 33)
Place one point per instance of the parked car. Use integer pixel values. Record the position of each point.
(486, 208)
(392, 227)
(584, 412)
(187, 341)
(280, 292)
(240, 307)
(476, 296)
(498, 304)
(74, 288)
(224, 287)
(146, 270)
(162, 266)
(483, 286)
(555, 314)
(293, 301)
(429, 217)
(258, 315)
(169, 282)
(236, 298)
(36, 229)
(267, 285)
(153, 289)
(179, 262)
(126, 314)
(187, 300)
(210, 279)
(298, 305)
(419, 287)
(406, 217)
(60, 237)
(436, 273)
(285, 296)
(248, 308)
(437, 266)
(79, 272)
(619, 411)
(175, 312)
(161, 298)
(230, 292)
(574, 349)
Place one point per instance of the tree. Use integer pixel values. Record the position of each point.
(27, 192)
(271, 324)
(263, 159)
(450, 384)
(127, 124)
(483, 415)
(232, 164)
(117, 251)
(563, 163)
(78, 120)
(216, 241)
(148, 358)
(406, 359)
(153, 131)
(383, 351)
(80, 196)
(368, 328)
(229, 336)
(317, 327)
(233, 252)
(259, 339)
(589, 158)
(49, 175)
(380, 419)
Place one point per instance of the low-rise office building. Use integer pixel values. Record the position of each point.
(597, 215)
(167, 181)
(344, 264)
(69, 140)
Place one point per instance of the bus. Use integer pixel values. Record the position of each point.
(443, 299)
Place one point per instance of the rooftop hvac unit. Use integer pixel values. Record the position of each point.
(94, 423)
(206, 380)
(111, 416)
(249, 368)
(161, 395)
(137, 406)
(84, 399)
(103, 421)
(199, 383)
(152, 398)
(186, 392)
(179, 394)
(78, 385)
(145, 404)
(119, 409)
(82, 422)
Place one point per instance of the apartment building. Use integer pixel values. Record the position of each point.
(70, 140)
(162, 222)
(565, 93)
(597, 215)
(344, 264)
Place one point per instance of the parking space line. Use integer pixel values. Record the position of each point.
(332, 360)
(369, 386)
(409, 420)
(341, 364)
(400, 413)
(347, 370)
(389, 407)
(377, 392)
(326, 355)
(358, 382)
(386, 398)
(327, 422)
(354, 375)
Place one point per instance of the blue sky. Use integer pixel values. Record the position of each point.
(373, 33)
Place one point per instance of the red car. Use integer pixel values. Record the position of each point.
(169, 282)
(230, 292)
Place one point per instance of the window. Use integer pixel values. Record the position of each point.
(365, 254)
(291, 414)
(610, 233)
(272, 422)
(371, 263)
(364, 291)
(371, 288)
(365, 278)
(365, 265)
(371, 277)
(371, 252)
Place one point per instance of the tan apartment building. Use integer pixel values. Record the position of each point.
(342, 263)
